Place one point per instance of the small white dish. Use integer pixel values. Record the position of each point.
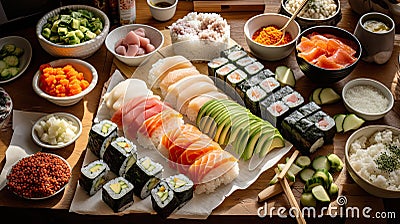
(66, 116)
(24, 60)
(162, 13)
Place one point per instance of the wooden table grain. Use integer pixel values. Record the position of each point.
(242, 205)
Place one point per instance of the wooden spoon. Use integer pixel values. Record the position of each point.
(294, 15)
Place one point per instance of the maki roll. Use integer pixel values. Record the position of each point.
(309, 108)
(253, 97)
(243, 62)
(311, 138)
(275, 113)
(266, 73)
(120, 155)
(93, 176)
(288, 126)
(144, 175)
(242, 88)
(270, 85)
(215, 64)
(236, 55)
(253, 68)
(118, 194)
(223, 71)
(163, 199)
(281, 92)
(182, 187)
(236, 77)
(228, 51)
(324, 123)
(293, 100)
(101, 135)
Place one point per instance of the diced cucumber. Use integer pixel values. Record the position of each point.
(274, 180)
(303, 161)
(321, 162)
(315, 95)
(339, 121)
(294, 169)
(335, 162)
(324, 174)
(352, 122)
(328, 96)
(306, 174)
(11, 60)
(311, 183)
(320, 194)
(334, 189)
(285, 76)
(308, 200)
(3, 65)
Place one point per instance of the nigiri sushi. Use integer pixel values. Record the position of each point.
(197, 102)
(192, 91)
(176, 75)
(165, 65)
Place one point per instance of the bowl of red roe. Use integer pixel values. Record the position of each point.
(263, 36)
(65, 82)
(327, 54)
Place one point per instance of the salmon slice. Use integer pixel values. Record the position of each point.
(327, 63)
(334, 45)
(305, 45)
(315, 36)
(312, 55)
(342, 57)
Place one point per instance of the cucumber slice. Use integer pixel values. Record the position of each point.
(315, 95)
(320, 194)
(308, 200)
(303, 161)
(324, 174)
(294, 169)
(311, 183)
(352, 122)
(321, 162)
(328, 96)
(285, 76)
(335, 162)
(339, 121)
(333, 190)
(306, 174)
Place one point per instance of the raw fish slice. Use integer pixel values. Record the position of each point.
(193, 90)
(305, 45)
(315, 36)
(327, 63)
(343, 58)
(196, 103)
(337, 44)
(312, 55)
(176, 75)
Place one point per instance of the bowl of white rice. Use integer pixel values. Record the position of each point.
(372, 157)
(314, 13)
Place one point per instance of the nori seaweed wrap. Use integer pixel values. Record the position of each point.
(93, 176)
(118, 194)
(215, 64)
(182, 186)
(226, 52)
(309, 108)
(120, 155)
(164, 200)
(101, 135)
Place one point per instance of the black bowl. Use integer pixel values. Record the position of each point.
(327, 76)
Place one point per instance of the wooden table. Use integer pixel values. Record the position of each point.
(242, 205)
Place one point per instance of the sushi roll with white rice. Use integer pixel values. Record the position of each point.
(164, 200)
(144, 175)
(324, 123)
(288, 129)
(309, 108)
(118, 194)
(243, 62)
(266, 73)
(253, 97)
(93, 176)
(225, 70)
(293, 100)
(242, 88)
(283, 91)
(275, 113)
(215, 64)
(254, 68)
(120, 155)
(182, 186)
(270, 85)
(236, 55)
(310, 139)
(236, 77)
(228, 51)
(101, 135)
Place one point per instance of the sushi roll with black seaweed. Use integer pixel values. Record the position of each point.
(93, 176)
(283, 91)
(325, 123)
(215, 64)
(236, 77)
(164, 200)
(254, 68)
(243, 62)
(223, 71)
(275, 113)
(236, 55)
(293, 100)
(120, 155)
(144, 175)
(228, 51)
(182, 186)
(101, 135)
(270, 85)
(311, 138)
(242, 88)
(118, 194)
(253, 97)
(309, 108)
(288, 125)
(266, 73)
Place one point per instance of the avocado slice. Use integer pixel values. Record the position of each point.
(116, 187)
(275, 141)
(96, 168)
(206, 107)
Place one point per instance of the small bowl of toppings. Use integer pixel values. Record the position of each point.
(367, 98)
(39, 176)
(133, 43)
(314, 13)
(57, 130)
(6, 106)
(372, 158)
(327, 54)
(262, 35)
(73, 31)
(15, 56)
(162, 10)
(65, 82)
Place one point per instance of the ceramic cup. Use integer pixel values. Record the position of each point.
(377, 46)
(162, 13)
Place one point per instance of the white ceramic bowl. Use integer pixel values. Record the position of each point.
(162, 13)
(361, 181)
(70, 117)
(268, 52)
(370, 82)
(82, 50)
(24, 59)
(155, 36)
(89, 73)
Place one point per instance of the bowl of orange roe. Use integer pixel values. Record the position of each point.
(263, 36)
(65, 82)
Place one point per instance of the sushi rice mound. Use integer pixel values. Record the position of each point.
(226, 178)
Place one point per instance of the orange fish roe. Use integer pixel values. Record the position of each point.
(62, 81)
(270, 35)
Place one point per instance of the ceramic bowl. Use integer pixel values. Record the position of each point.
(24, 59)
(162, 14)
(155, 36)
(65, 116)
(82, 50)
(88, 71)
(360, 180)
(369, 82)
(327, 76)
(269, 52)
